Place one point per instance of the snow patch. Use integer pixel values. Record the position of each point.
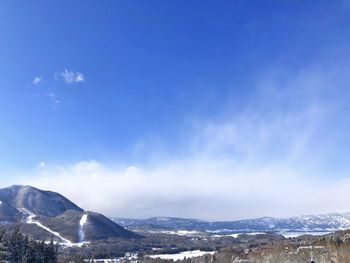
(188, 233)
(297, 234)
(81, 233)
(235, 235)
(182, 255)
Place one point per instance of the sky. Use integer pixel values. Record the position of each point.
(218, 110)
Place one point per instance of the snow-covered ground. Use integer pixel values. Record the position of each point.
(286, 234)
(130, 257)
(30, 220)
(182, 255)
(188, 233)
(223, 233)
(235, 235)
(297, 234)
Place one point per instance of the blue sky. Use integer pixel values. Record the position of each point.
(161, 88)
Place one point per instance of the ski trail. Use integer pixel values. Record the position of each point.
(81, 234)
(30, 220)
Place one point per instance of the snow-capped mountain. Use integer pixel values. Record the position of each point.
(46, 214)
(326, 222)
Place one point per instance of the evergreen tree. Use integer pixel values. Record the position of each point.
(17, 248)
(50, 253)
(30, 255)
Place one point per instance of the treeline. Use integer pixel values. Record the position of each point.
(18, 248)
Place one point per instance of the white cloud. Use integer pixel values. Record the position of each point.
(70, 77)
(37, 80)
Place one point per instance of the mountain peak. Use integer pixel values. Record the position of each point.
(38, 201)
(17, 187)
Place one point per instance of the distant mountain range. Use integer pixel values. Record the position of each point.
(309, 223)
(45, 214)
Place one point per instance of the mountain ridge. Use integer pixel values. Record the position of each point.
(320, 222)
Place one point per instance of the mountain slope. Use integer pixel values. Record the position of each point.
(8, 213)
(96, 226)
(46, 214)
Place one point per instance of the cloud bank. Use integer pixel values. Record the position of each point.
(269, 155)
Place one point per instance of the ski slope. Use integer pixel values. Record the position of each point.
(65, 242)
(30, 220)
(81, 233)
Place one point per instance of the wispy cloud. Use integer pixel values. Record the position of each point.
(42, 164)
(53, 97)
(37, 80)
(264, 157)
(70, 76)
(67, 76)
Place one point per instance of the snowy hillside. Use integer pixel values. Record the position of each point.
(45, 215)
(326, 222)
